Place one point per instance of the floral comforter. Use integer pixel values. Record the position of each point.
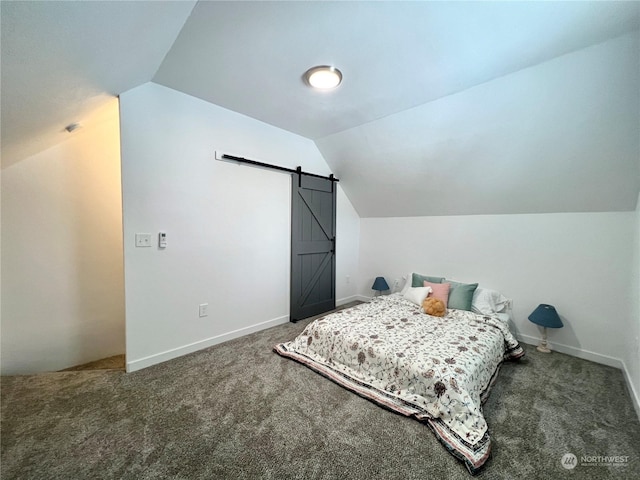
(436, 369)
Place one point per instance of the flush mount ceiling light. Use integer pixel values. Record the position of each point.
(323, 77)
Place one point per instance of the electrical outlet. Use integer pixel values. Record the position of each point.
(203, 310)
(143, 239)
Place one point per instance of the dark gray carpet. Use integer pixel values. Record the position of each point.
(117, 362)
(239, 411)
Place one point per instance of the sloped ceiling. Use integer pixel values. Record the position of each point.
(61, 61)
(445, 108)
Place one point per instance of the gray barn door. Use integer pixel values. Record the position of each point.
(313, 236)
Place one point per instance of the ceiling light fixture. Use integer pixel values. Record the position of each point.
(323, 77)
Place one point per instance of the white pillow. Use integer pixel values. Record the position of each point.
(417, 294)
(488, 302)
(407, 283)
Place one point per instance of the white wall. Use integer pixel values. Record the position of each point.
(228, 226)
(631, 351)
(578, 262)
(0, 272)
(347, 250)
(62, 265)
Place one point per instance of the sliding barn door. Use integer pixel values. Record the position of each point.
(313, 238)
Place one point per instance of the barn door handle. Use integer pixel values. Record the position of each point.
(333, 245)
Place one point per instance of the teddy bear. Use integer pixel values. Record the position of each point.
(434, 306)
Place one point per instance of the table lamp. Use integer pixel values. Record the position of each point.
(380, 284)
(547, 317)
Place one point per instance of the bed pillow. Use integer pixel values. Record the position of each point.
(461, 295)
(417, 279)
(407, 283)
(417, 294)
(439, 291)
(488, 302)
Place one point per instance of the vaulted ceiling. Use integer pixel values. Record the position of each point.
(445, 107)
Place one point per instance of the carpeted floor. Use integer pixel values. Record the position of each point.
(239, 411)
(117, 362)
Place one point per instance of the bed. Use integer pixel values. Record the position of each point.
(438, 370)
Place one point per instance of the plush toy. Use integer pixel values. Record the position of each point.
(434, 306)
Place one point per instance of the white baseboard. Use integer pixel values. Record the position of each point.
(363, 298)
(574, 352)
(593, 357)
(352, 298)
(344, 301)
(145, 362)
(635, 398)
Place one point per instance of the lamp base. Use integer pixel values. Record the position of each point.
(543, 347)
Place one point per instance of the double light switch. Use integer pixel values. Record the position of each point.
(144, 239)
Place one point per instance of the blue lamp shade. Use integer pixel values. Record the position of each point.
(546, 316)
(380, 284)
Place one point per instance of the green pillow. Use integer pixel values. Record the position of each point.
(461, 295)
(417, 280)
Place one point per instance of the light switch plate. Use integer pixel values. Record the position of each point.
(143, 239)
